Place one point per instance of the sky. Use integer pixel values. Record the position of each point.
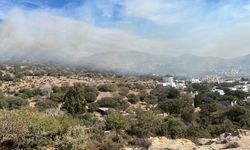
(63, 29)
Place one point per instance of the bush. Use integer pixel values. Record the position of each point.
(187, 113)
(133, 99)
(173, 93)
(123, 91)
(7, 77)
(113, 102)
(88, 119)
(25, 129)
(57, 97)
(90, 97)
(90, 94)
(107, 88)
(4, 104)
(143, 95)
(74, 101)
(13, 103)
(160, 92)
(164, 93)
(74, 139)
(236, 113)
(92, 107)
(45, 104)
(26, 93)
(175, 128)
(144, 124)
(117, 122)
(172, 106)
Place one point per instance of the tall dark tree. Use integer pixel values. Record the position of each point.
(74, 100)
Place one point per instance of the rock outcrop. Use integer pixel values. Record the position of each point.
(239, 140)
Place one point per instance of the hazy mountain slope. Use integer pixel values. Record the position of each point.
(144, 63)
(127, 61)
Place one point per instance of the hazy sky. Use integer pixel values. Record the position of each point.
(78, 28)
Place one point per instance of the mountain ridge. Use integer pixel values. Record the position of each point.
(186, 64)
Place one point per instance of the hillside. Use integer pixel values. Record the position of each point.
(187, 64)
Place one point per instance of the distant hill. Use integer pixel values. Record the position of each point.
(187, 64)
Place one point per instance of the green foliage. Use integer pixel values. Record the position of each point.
(144, 124)
(26, 93)
(117, 122)
(92, 107)
(229, 98)
(19, 75)
(160, 92)
(201, 87)
(198, 100)
(74, 100)
(237, 113)
(26, 129)
(7, 77)
(88, 119)
(172, 106)
(187, 113)
(13, 103)
(45, 104)
(173, 93)
(123, 91)
(143, 95)
(107, 88)
(90, 93)
(175, 128)
(75, 138)
(164, 93)
(239, 94)
(113, 102)
(57, 97)
(133, 99)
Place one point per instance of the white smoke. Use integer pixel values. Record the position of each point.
(44, 36)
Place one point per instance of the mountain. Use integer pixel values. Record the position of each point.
(187, 64)
(125, 62)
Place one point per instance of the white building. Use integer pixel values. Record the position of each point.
(244, 88)
(221, 92)
(181, 86)
(168, 81)
(195, 81)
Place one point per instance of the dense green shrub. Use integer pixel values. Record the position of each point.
(92, 107)
(90, 93)
(117, 122)
(107, 88)
(172, 106)
(144, 124)
(123, 91)
(13, 103)
(113, 102)
(175, 128)
(143, 95)
(133, 99)
(25, 129)
(57, 97)
(88, 119)
(7, 77)
(74, 100)
(26, 93)
(75, 138)
(45, 104)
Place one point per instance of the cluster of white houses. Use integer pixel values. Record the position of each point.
(170, 82)
(181, 84)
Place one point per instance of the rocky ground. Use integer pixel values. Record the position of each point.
(240, 140)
